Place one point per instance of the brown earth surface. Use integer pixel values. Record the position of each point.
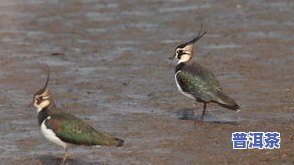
(110, 66)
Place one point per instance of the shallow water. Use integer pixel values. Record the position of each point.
(109, 64)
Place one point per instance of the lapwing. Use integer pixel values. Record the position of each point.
(63, 128)
(198, 82)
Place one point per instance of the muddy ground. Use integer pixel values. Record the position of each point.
(110, 66)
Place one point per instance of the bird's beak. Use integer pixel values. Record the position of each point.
(172, 57)
(30, 105)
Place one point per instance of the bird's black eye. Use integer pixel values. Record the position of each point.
(37, 100)
(180, 52)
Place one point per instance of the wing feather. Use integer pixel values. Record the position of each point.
(198, 81)
(71, 129)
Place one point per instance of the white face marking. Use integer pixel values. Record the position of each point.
(184, 54)
(177, 53)
(50, 135)
(45, 97)
(43, 104)
(184, 58)
(181, 90)
(43, 100)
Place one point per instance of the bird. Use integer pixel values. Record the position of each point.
(63, 128)
(197, 82)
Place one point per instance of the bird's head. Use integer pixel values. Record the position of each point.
(184, 52)
(42, 98)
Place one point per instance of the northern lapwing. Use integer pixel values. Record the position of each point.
(63, 128)
(198, 82)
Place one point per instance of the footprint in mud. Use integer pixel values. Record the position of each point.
(187, 114)
(46, 159)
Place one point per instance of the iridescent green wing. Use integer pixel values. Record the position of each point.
(205, 75)
(71, 129)
(199, 82)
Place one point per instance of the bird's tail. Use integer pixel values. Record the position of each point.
(227, 102)
(119, 142)
(108, 140)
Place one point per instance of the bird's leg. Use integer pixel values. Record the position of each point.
(194, 112)
(65, 156)
(203, 112)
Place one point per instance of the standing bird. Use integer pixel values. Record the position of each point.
(63, 128)
(196, 81)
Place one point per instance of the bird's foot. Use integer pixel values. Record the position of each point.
(199, 122)
(64, 158)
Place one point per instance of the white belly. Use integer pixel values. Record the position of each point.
(50, 135)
